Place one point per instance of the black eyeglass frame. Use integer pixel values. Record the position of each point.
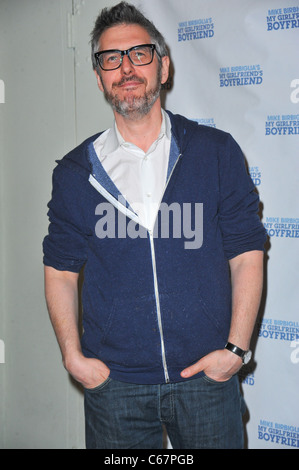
(97, 56)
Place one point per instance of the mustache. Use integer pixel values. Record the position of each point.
(128, 79)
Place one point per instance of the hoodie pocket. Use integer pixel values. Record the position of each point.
(191, 330)
(131, 334)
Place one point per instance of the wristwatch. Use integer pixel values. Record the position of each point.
(244, 355)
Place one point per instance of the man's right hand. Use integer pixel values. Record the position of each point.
(90, 373)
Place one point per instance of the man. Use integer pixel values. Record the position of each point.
(167, 321)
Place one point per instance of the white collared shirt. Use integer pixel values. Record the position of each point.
(140, 176)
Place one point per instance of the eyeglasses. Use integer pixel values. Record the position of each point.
(138, 55)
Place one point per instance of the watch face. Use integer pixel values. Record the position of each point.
(247, 357)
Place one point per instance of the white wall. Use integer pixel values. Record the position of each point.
(39, 406)
(38, 124)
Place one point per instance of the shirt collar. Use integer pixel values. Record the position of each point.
(115, 140)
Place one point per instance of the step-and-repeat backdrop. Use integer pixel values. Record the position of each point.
(236, 68)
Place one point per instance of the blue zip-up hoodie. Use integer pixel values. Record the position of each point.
(152, 306)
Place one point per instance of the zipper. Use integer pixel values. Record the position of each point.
(157, 297)
(156, 287)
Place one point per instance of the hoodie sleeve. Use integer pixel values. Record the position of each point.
(240, 224)
(65, 245)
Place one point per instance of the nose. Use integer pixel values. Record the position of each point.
(126, 65)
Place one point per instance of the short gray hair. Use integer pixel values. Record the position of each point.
(124, 13)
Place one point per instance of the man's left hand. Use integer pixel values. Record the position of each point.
(219, 365)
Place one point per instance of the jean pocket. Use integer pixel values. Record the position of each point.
(99, 387)
(212, 381)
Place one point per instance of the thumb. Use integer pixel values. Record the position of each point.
(199, 366)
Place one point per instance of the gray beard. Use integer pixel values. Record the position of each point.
(134, 107)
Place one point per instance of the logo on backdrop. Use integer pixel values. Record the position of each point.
(279, 330)
(205, 122)
(277, 433)
(247, 375)
(241, 75)
(256, 175)
(195, 29)
(283, 18)
(282, 227)
(282, 124)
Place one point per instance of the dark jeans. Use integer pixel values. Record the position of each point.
(197, 414)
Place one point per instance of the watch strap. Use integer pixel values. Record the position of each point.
(236, 350)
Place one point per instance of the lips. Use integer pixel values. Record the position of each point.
(130, 85)
(129, 82)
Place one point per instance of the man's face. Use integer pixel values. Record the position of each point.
(132, 91)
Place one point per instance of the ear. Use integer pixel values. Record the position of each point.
(165, 69)
(99, 80)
